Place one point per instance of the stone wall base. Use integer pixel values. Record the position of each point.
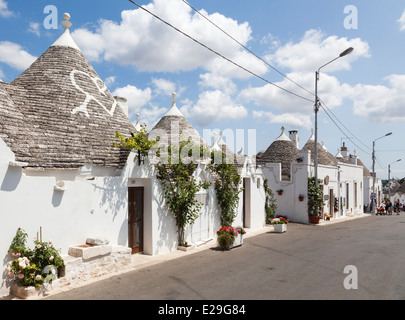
(82, 268)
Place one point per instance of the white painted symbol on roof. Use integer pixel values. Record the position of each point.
(102, 89)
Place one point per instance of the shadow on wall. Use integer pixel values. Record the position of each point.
(57, 198)
(114, 196)
(11, 179)
(166, 221)
(6, 279)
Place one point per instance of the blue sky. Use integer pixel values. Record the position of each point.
(145, 60)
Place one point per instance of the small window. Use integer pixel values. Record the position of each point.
(258, 183)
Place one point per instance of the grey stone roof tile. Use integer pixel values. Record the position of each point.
(38, 119)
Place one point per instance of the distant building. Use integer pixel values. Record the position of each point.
(345, 180)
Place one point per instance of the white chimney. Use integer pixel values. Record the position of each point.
(294, 137)
(344, 152)
(123, 104)
(353, 158)
(305, 156)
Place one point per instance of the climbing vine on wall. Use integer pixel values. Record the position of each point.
(227, 188)
(180, 187)
(270, 204)
(315, 197)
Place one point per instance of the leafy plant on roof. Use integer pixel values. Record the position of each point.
(139, 141)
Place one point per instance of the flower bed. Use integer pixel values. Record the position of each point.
(280, 224)
(227, 235)
(33, 268)
(280, 220)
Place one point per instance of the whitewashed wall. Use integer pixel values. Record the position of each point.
(288, 203)
(95, 203)
(351, 176)
(67, 217)
(297, 211)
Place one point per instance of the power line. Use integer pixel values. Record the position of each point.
(258, 57)
(349, 138)
(323, 105)
(217, 53)
(390, 150)
(247, 49)
(344, 126)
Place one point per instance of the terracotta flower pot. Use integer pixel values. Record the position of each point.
(314, 219)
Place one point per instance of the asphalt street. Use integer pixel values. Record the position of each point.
(359, 259)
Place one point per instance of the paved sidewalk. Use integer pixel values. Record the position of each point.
(323, 222)
(140, 260)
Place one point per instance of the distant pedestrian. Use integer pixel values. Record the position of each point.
(389, 208)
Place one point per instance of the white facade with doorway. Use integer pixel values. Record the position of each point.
(61, 174)
(287, 168)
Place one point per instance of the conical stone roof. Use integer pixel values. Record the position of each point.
(174, 128)
(283, 151)
(324, 157)
(63, 114)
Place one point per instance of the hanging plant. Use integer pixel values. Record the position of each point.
(227, 187)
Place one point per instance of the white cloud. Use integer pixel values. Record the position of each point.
(109, 80)
(290, 119)
(92, 44)
(216, 81)
(212, 106)
(13, 55)
(379, 103)
(4, 11)
(315, 49)
(34, 27)
(151, 115)
(142, 41)
(401, 22)
(330, 91)
(303, 58)
(137, 98)
(164, 86)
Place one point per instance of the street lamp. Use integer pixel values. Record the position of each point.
(374, 203)
(316, 109)
(389, 171)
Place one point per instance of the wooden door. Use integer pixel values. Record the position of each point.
(135, 218)
(331, 203)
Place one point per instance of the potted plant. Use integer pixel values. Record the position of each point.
(315, 201)
(229, 237)
(280, 192)
(31, 269)
(239, 232)
(280, 224)
(301, 197)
